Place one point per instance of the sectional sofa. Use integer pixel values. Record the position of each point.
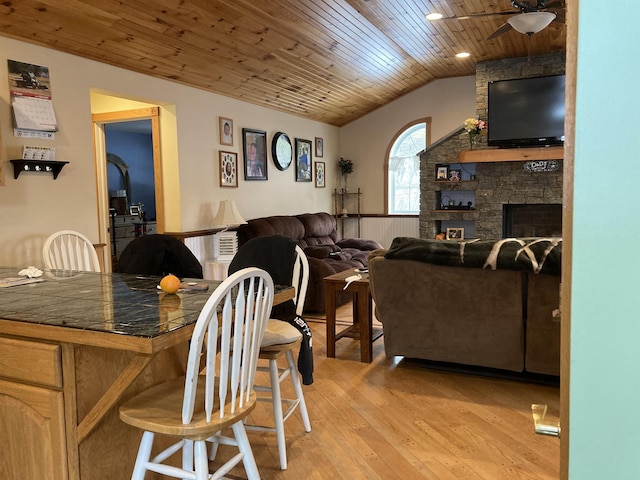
(482, 303)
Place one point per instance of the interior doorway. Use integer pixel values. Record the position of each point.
(133, 220)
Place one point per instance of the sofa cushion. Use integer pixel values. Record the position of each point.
(278, 225)
(321, 251)
(319, 228)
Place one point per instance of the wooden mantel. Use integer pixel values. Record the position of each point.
(511, 154)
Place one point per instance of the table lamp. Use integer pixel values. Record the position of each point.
(225, 243)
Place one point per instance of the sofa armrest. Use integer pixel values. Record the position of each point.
(358, 243)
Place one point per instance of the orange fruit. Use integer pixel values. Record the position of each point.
(170, 283)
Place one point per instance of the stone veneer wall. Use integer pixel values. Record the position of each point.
(497, 183)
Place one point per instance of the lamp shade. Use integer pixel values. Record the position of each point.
(228, 215)
(532, 22)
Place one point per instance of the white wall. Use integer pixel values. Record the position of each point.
(35, 205)
(367, 140)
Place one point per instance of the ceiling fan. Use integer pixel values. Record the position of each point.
(534, 16)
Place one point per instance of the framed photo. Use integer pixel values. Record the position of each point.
(319, 147)
(255, 154)
(226, 131)
(320, 174)
(304, 161)
(134, 210)
(228, 169)
(442, 173)
(455, 175)
(455, 233)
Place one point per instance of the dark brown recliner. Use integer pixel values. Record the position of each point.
(327, 254)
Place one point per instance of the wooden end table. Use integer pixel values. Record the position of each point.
(362, 327)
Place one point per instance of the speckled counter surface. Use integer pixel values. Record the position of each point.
(115, 303)
(123, 304)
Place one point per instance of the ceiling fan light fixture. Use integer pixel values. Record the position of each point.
(532, 22)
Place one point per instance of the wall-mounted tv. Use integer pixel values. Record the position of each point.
(526, 112)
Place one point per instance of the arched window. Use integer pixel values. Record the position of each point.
(403, 179)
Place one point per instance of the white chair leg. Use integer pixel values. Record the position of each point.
(201, 459)
(297, 386)
(276, 399)
(187, 455)
(243, 445)
(144, 453)
(214, 448)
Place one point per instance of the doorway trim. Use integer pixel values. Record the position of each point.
(100, 151)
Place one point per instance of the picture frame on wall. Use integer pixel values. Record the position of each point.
(255, 154)
(455, 233)
(319, 147)
(320, 174)
(226, 131)
(442, 173)
(455, 175)
(228, 169)
(304, 161)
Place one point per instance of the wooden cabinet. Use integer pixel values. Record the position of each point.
(32, 415)
(346, 208)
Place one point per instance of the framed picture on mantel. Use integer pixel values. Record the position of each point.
(455, 233)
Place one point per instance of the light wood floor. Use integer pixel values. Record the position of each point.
(396, 419)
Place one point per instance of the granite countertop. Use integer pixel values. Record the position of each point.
(115, 303)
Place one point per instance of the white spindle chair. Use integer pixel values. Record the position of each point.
(188, 408)
(69, 250)
(280, 339)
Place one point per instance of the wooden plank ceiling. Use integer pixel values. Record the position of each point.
(328, 60)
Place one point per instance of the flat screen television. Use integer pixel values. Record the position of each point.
(526, 112)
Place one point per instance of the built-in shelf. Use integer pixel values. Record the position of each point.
(511, 154)
(47, 166)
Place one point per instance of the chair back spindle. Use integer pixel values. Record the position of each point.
(70, 250)
(236, 317)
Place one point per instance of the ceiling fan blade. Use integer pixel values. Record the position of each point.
(556, 4)
(475, 15)
(560, 17)
(500, 31)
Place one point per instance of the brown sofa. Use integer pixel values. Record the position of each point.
(317, 235)
(482, 303)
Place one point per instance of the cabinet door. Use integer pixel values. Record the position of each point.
(32, 444)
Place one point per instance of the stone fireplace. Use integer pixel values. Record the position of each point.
(497, 185)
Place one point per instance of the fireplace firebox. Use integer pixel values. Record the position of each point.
(532, 220)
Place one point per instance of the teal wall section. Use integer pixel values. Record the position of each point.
(605, 302)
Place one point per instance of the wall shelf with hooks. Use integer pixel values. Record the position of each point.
(52, 166)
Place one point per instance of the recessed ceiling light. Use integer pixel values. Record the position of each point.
(463, 54)
(433, 16)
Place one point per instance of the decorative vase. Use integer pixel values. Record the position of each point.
(345, 183)
(472, 140)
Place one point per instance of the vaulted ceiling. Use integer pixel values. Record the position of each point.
(328, 60)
